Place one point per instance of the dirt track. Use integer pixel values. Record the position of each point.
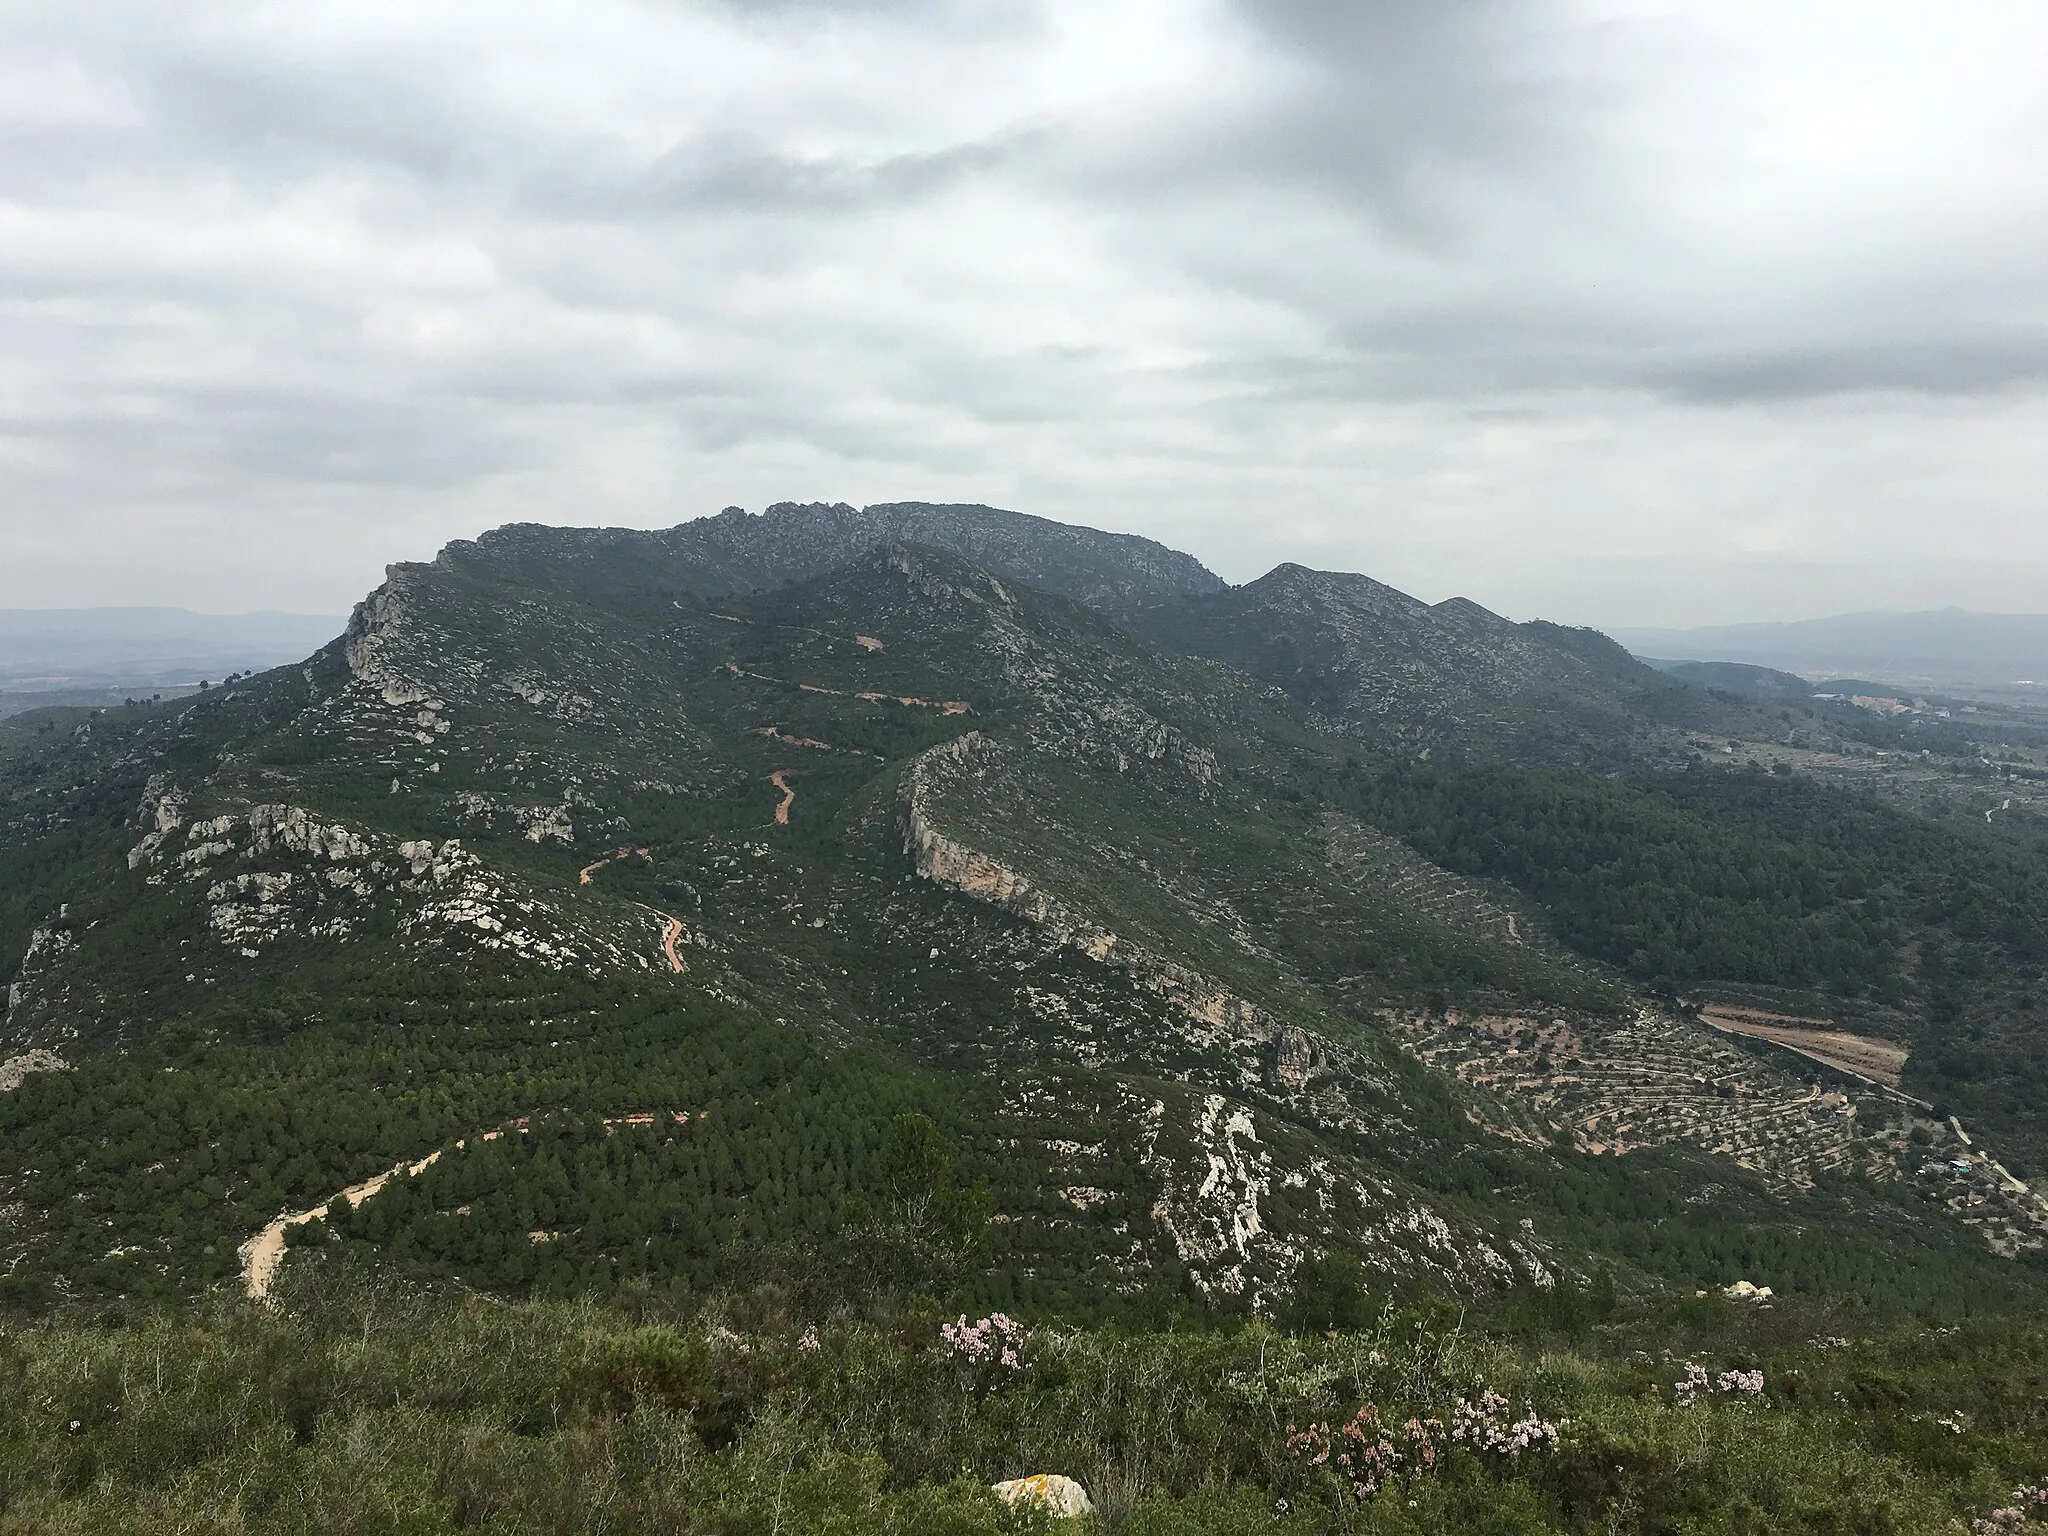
(671, 931)
(262, 1254)
(583, 875)
(1878, 1060)
(795, 741)
(780, 779)
(943, 706)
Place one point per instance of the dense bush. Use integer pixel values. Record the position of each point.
(361, 1408)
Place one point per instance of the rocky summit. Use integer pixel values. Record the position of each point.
(591, 910)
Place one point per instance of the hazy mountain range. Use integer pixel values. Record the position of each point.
(99, 656)
(1949, 647)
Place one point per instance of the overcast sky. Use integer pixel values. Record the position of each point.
(1634, 313)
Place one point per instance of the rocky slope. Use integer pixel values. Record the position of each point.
(1393, 672)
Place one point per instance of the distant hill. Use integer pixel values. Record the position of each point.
(1393, 671)
(1737, 677)
(95, 656)
(1952, 647)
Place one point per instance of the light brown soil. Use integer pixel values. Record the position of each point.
(1879, 1060)
(671, 931)
(780, 779)
(583, 875)
(262, 1254)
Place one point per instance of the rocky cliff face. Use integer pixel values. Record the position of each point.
(1221, 1021)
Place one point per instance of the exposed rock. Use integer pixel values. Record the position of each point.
(550, 822)
(1215, 1225)
(1299, 1059)
(289, 827)
(953, 864)
(47, 945)
(162, 804)
(1060, 1497)
(16, 1069)
(372, 643)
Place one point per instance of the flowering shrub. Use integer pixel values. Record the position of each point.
(1697, 1383)
(2026, 1502)
(808, 1341)
(1364, 1453)
(995, 1340)
(1485, 1426)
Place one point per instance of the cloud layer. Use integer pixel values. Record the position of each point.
(1636, 313)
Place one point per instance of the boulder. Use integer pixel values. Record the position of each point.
(1057, 1495)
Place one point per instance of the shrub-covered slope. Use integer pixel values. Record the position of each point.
(664, 872)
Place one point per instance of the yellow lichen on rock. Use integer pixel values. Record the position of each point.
(1060, 1496)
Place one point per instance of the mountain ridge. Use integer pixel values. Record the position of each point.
(1159, 884)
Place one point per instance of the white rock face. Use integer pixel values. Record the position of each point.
(1056, 1495)
(15, 1069)
(163, 804)
(550, 822)
(289, 827)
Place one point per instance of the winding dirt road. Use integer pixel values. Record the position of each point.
(1864, 1056)
(780, 779)
(262, 1254)
(794, 741)
(671, 931)
(583, 875)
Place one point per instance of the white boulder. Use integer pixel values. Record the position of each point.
(1056, 1495)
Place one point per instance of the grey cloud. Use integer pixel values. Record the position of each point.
(740, 173)
(1932, 366)
(1396, 266)
(1394, 105)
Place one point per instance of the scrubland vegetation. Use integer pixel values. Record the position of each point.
(353, 1406)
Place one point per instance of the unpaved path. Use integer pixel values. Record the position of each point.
(865, 642)
(943, 706)
(794, 741)
(262, 1254)
(671, 931)
(1863, 1056)
(780, 779)
(583, 875)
